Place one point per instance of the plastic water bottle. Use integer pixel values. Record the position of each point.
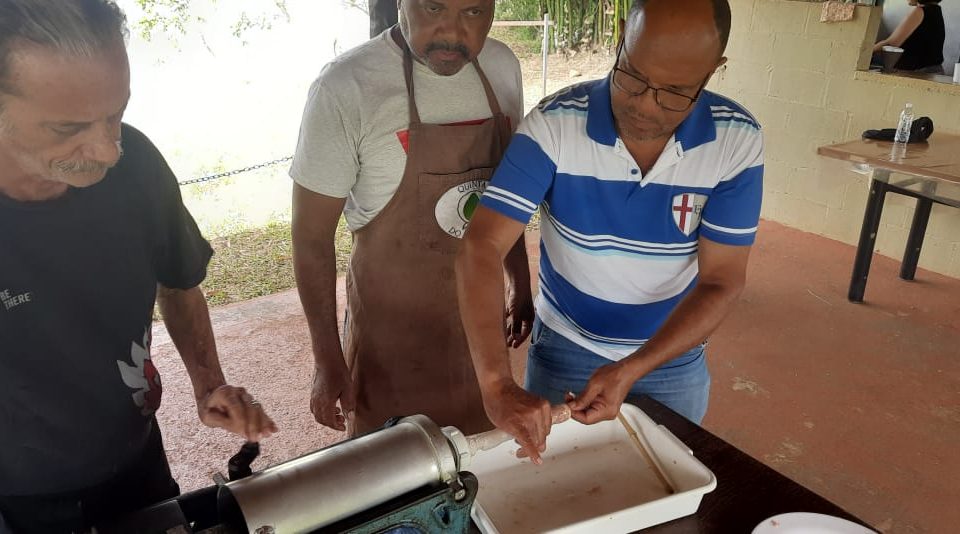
(906, 121)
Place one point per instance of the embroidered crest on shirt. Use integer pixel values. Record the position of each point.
(687, 209)
(142, 376)
(456, 207)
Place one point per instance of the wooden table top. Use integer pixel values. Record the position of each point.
(938, 158)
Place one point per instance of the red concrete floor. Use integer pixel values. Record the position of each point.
(859, 402)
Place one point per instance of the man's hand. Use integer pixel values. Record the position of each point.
(330, 384)
(219, 405)
(518, 317)
(605, 392)
(521, 414)
(315, 219)
(233, 409)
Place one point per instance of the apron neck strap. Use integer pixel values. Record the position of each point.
(487, 88)
(408, 77)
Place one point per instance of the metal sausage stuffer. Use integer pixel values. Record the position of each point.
(407, 477)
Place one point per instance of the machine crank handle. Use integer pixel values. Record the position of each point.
(239, 465)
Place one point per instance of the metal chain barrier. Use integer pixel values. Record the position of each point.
(235, 171)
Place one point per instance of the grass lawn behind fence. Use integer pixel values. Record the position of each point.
(246, 218)
(259, 262)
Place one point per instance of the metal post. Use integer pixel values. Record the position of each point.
(546, 49)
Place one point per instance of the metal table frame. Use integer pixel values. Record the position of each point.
(928, 172)
(880, 185)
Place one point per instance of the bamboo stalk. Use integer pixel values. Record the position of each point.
(584, 22)
(616, 21)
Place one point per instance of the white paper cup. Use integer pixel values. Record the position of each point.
(890, 55)
(956, 73)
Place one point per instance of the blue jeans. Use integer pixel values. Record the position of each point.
(556, 365)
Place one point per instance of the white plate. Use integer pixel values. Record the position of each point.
(808, 523)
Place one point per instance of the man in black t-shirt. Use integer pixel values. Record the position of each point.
(93, 232)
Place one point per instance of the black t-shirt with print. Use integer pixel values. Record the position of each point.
(78, 279)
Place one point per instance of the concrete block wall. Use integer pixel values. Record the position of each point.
(800, 78)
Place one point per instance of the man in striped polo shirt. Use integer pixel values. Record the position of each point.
(649, 190)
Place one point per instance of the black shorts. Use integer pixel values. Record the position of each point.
(147, 481)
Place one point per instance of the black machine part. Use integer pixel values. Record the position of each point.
(921, 129)
(239, 464)
(407, 474)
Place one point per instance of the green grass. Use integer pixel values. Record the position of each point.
(259, 262)
(250, 264)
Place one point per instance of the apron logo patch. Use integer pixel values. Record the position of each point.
(686, 210)
(456, 207)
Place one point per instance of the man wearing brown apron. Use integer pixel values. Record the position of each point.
(401, 135)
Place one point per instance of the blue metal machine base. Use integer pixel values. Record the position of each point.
(436, 508)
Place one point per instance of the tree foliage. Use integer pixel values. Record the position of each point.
(357, 4)
(577, 23)
(176, 17)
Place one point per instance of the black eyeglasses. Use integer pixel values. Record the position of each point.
(665, 98)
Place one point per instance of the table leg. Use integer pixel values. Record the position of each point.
(911, 255)
(868, 237)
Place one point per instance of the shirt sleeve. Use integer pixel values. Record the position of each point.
(182, 254)
(526, 172)
(326, 160)
(732, 213)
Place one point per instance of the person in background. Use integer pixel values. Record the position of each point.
(649, 189)
(400, 135)
(383, 14)
(93, 233)
(921, 35)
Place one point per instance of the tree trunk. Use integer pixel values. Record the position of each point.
(383, 14)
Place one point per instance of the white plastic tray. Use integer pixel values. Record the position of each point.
(593, 479)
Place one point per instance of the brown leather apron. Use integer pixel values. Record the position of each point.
(405, 344)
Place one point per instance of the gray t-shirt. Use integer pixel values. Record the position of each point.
(355, 120)
(78, 281)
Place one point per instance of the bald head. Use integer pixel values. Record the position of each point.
(673, 46)
(702, 23)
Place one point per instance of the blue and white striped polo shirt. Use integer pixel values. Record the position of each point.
(618, 248)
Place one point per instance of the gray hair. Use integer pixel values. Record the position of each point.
(80, 28)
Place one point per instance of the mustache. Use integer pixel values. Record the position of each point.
(460, 48)
(81, 166)
(85, 166)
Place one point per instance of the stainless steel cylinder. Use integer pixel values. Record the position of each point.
(337, 482)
